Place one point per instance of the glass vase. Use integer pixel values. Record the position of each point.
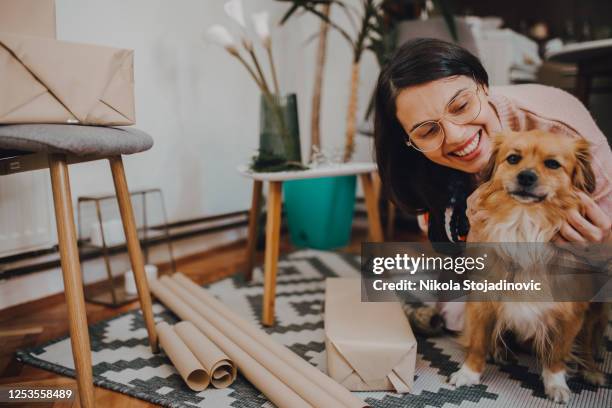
(279, 132)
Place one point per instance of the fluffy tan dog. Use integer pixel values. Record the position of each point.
(533, 180)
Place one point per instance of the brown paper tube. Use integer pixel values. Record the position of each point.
(300, 383)
(223, 375)
(183, 359)
(272, 387)
(222, 370)
(306, 369)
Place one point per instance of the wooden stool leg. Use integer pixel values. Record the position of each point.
(376, 234)
(253, 224)
(131, 235)
(73, 283)
(271, 257)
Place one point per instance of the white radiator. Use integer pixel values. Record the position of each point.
(26, 218)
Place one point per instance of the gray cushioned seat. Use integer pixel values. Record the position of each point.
(74, 139)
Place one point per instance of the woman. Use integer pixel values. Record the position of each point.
(435, 116)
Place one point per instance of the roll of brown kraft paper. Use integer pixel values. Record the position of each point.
(213, 309)
(271, 386)
(299, 383)
(185, 362)
(217, 364)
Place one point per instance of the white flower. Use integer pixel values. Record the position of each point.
(233, 9)
(219, 35)
(261, 26)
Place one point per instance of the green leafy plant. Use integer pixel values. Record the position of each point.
(375, 26)
(361, 19)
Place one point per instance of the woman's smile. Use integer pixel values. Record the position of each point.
(470, 155)
(470, 149)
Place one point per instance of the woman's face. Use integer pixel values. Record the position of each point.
(466, 147)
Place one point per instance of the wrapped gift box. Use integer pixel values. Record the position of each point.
(43, 80)
(28, 17)
(370, 346)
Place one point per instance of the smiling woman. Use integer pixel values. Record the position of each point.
(435, 117)
(434, 122)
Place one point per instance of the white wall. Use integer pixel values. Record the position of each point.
(198, 103)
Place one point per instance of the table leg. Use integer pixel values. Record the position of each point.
(73, 282)
(376, 234)
(272, 247)
(253, 224)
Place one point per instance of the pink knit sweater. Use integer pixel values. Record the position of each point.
(526, 107)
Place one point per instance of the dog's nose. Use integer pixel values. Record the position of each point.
(527, 178)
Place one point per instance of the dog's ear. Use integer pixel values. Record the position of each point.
(583, 177)
(489, 169)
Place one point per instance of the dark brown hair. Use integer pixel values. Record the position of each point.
(411, 180)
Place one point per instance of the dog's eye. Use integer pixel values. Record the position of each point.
(513, 159)
(552, 164)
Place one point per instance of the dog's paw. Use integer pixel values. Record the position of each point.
(465, 376)
(555, 386)
(594, 377)
(559, 394)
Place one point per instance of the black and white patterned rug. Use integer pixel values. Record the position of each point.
(122, 360)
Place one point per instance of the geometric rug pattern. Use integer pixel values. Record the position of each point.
(122, 360)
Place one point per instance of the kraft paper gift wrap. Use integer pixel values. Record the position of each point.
(370, 346)
(47, 81)
(29, 17)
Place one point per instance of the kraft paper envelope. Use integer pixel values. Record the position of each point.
(370, 346)
(48, 81)
(29, 17)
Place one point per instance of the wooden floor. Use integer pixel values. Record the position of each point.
(37, 322)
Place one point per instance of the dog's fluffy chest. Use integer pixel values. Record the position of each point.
(519, 225)
(525, 319)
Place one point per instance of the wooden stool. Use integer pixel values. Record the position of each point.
(33, 147)
(275, 180)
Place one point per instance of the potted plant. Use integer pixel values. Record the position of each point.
(320, 211)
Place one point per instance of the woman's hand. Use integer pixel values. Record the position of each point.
(593, 227)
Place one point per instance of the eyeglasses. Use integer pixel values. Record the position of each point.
(462, 109)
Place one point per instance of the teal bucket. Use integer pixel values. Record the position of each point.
(320, 211)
